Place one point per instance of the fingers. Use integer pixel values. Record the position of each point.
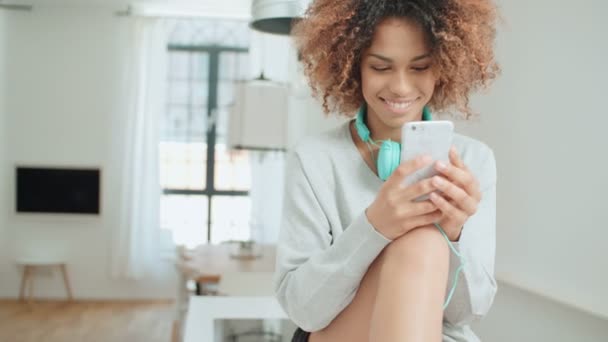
(459, 174)
(421, 208)
(396, 179)
(418, 189)
(426, 219)
(448, 209)
(455, 158)
(461, 198)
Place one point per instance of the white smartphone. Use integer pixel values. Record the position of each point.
(432, 138)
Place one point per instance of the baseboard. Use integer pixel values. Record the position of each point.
(503, 278)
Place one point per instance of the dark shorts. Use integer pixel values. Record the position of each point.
(300, 336)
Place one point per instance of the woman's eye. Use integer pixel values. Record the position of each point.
(380, 68)
(421, 68)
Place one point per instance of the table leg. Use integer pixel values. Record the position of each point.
(24, 279)
(175, 332)
(66, 281)
(30, 284)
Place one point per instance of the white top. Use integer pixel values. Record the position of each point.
(326, 243)
(31, 261)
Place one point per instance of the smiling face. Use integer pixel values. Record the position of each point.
(397, 77)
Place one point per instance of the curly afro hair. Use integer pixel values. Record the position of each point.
(334, 33)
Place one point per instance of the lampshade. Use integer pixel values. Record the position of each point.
(276, 16)
(258, 119)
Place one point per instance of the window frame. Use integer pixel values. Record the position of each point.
(214, 52)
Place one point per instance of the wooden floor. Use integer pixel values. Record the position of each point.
(54, 321)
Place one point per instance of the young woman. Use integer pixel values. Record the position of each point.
(359, 259)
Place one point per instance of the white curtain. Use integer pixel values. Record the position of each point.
(135, 246)
(268, 170)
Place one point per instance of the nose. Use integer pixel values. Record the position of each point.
(401, 85)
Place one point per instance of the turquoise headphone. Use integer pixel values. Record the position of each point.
(389, 155)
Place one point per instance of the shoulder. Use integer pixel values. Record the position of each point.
(321, 155)
(322, 147)
(478, 157)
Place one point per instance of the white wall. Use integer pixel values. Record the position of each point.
(3, 185)
(546, 119)
(64, 89)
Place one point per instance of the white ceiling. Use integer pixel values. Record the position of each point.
(221, 8)
(77, 2)
(105, 3)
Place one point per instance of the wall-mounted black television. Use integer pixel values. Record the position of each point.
(57, 190)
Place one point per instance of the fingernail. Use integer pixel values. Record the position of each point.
(440, 165)
(438, 181)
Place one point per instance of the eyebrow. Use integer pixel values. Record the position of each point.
(386, 59)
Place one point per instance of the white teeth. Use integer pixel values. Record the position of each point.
(399, 105)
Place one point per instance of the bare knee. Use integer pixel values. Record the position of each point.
(423, 246)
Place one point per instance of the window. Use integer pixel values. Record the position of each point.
(205, 184)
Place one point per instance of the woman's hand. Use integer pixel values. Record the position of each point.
(460, 195)
(394, 212)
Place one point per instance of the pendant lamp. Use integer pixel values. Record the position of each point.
(276, 16)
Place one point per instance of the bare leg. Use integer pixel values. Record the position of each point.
(400, 297)
(409, 303)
